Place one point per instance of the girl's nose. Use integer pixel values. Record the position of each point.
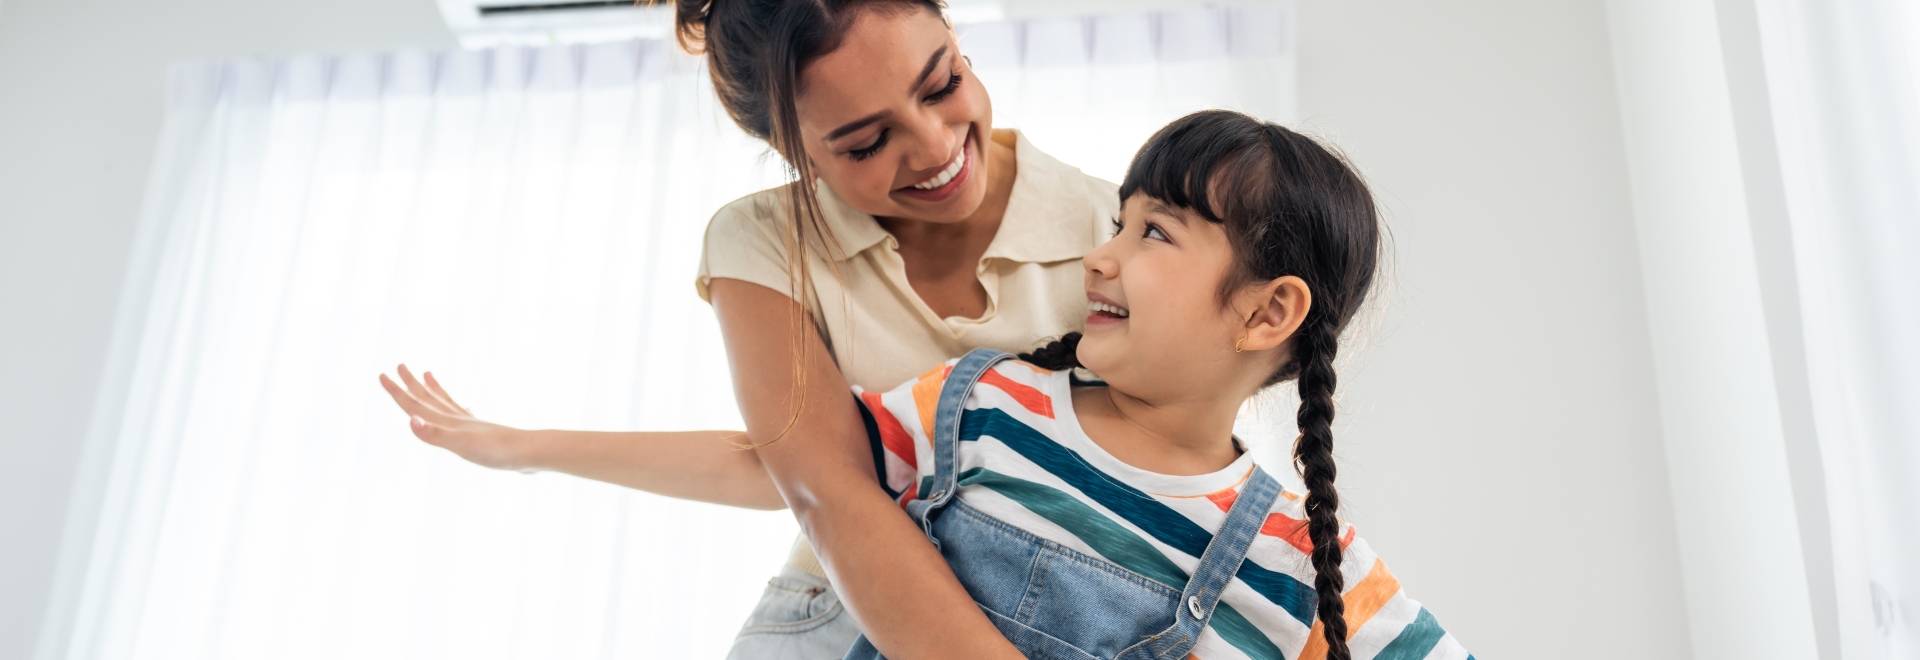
(1099, 262)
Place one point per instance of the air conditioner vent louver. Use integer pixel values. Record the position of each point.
(488, 23)
(493, 10)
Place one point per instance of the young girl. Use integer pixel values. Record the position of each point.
(1122, 519)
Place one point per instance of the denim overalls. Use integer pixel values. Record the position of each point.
(1055, 603)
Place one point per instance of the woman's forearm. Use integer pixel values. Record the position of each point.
(707, 466)
(889, 576)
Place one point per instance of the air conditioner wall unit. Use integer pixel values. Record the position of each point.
(489, 23)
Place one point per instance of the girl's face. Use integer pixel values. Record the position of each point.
(1155, 326)
(894, 121)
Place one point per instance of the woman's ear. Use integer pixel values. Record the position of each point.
(1275, 310)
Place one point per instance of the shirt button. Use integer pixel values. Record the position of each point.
(1193, 605)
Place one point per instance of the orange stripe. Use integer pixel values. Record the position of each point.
(926, 396)
(1028, 397)
(1363, 601)
(893, 436)
(912, 493)
(1224, 499)
(1294, 532)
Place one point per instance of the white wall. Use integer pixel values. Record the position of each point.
(80, 99)
(1504, 450)
(1501, 441)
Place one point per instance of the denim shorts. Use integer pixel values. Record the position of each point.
(798, 618)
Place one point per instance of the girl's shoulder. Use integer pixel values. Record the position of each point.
(1011, 385)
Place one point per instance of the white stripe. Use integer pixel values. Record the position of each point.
(1384, 627)
(1448, 649)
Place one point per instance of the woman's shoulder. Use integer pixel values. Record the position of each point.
(766, 209)
(744, 241)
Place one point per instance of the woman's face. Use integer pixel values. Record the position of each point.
(894, 121)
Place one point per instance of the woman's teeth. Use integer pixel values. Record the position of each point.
(1103, 308)
(945, 175)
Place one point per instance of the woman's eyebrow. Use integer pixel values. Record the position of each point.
(868, 120)
(857, 124)
(928, 70)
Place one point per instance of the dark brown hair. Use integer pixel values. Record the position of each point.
(756, 51)
(1290, 206)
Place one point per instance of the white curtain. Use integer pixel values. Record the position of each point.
(526, 223)
(1844, 87)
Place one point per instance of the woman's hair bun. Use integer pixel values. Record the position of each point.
(690, 23)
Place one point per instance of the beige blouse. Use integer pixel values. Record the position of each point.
(880, 332)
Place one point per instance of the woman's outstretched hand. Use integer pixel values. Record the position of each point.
(438, 420)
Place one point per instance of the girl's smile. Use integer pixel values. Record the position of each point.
(1102, 310)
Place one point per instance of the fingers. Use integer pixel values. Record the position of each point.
(422, 430)
(433, 385)
(421, 393)
(412, 406)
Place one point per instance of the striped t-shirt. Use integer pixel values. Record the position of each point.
(1033, 467)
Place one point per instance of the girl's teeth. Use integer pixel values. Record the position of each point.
(1106, 308)
(945, 175)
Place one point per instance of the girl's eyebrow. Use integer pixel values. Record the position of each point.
(1160, 208)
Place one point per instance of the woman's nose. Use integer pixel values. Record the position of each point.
(936, 141)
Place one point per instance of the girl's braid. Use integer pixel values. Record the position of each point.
(1313, 452)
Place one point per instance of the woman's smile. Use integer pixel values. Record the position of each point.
(948, 180)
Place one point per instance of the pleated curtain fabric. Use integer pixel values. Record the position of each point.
(1843, 80)
(525, 223)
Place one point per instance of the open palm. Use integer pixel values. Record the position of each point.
(441, 422)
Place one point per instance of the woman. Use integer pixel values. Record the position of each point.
(928, 234)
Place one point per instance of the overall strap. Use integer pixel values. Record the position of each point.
(1217, 567)
(946, 433)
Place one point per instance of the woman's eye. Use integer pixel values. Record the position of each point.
(1117, 227)
(1154, 232)
(953, 83)
(868, 151)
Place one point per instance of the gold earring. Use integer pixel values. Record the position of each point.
(1236, 344)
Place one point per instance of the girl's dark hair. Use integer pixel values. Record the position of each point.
(1290, 206)
(756, 51)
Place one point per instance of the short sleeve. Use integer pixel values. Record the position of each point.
(744, 242)
(1105, 197)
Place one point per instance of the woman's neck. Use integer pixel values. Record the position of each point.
(980, 226)
(1184, 437)
(942, 259)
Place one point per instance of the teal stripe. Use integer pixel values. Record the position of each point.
(1146, 513)
(1109, 539)
(1416, 640)
(1239, 632)
(1120, 546)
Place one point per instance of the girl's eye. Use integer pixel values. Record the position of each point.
(953, 83)
(1117, 227)
(1154, 232)
(868, 151)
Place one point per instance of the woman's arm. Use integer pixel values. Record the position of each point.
(902, 593)
(706, 466)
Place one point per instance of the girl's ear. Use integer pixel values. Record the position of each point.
(1276, 311)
